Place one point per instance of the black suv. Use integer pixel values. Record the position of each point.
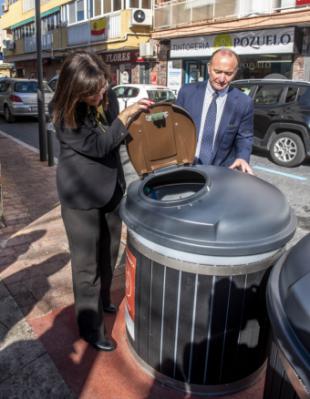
(281, 117)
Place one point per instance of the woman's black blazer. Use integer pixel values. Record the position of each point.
(89, 163)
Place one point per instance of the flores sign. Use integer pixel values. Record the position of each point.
(255, 42)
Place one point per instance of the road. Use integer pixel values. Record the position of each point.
(293, 182)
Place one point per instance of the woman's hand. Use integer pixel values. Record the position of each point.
(129, 112)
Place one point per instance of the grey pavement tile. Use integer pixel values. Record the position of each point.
(38, 379)
(3, 293)
(10, 315)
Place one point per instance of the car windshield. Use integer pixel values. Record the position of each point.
(30, 87)
(161, 95)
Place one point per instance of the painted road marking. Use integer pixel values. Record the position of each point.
(276, 172)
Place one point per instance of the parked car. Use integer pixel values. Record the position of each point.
(53, 82)
(128, 94)
(18, 97)
(281, 117)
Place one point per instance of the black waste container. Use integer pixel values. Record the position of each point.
(288, 303)
(201, 241)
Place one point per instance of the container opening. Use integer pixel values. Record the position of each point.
(174, 186)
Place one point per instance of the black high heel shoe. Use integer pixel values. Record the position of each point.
(110, 308)
(100, 344)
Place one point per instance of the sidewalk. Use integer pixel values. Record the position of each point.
(41, 354)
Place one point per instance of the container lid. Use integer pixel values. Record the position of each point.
(209, 210)
(288, 300)
(162, 137)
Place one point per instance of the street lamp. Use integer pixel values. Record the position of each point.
(40, 92)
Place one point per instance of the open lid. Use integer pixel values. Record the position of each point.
(162, 137)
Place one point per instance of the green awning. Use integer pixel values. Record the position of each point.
(43, 14)
(21, 23)
(50, 11)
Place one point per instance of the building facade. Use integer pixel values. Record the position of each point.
(272, 37)
(115, 29)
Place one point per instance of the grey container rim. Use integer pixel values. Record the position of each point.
(205, 265)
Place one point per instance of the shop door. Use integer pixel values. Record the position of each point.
(145, 73)
(196, 71)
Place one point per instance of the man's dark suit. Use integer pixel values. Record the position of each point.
(235, 133)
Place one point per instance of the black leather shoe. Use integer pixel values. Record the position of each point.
(110, 308)
(101, 344)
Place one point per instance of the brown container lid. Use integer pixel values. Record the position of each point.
(164, 136)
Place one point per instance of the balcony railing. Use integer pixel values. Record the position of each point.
(81, 33)
(176, 13)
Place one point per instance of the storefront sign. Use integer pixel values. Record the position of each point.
(275, 41)
(121, 57)
(302, 2)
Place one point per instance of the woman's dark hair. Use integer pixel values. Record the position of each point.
(83, 74)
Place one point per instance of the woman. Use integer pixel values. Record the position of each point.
(90, 183)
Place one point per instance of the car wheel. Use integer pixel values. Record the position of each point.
(287, 149)
(8, 114)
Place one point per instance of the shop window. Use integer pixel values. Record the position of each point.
(291, 95)
(268, 95)
(304, 97)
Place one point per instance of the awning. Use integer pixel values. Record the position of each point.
(31, 19)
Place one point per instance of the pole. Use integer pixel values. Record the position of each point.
(40, 92)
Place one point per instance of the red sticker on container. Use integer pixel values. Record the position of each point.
(131, 264)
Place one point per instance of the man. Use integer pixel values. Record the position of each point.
(223, 116)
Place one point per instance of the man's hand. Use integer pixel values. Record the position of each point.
(242, 165)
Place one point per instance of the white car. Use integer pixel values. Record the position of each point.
(128, 94)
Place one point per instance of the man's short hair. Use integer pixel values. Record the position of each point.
(226, 51)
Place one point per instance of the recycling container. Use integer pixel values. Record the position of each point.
(288, 304)
(201, 242)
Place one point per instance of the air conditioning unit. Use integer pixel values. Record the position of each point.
(141, 16)
(147, 50)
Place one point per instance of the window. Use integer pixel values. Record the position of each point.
(30, 87)
(97, 7)
(304, 97)
(80, 14)
(128, 92)
(291, 94)
(107, 6)
(72, 18)
(3, 87)
(268, 95)
(117, 5)
(160, 95)
(245, 89)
